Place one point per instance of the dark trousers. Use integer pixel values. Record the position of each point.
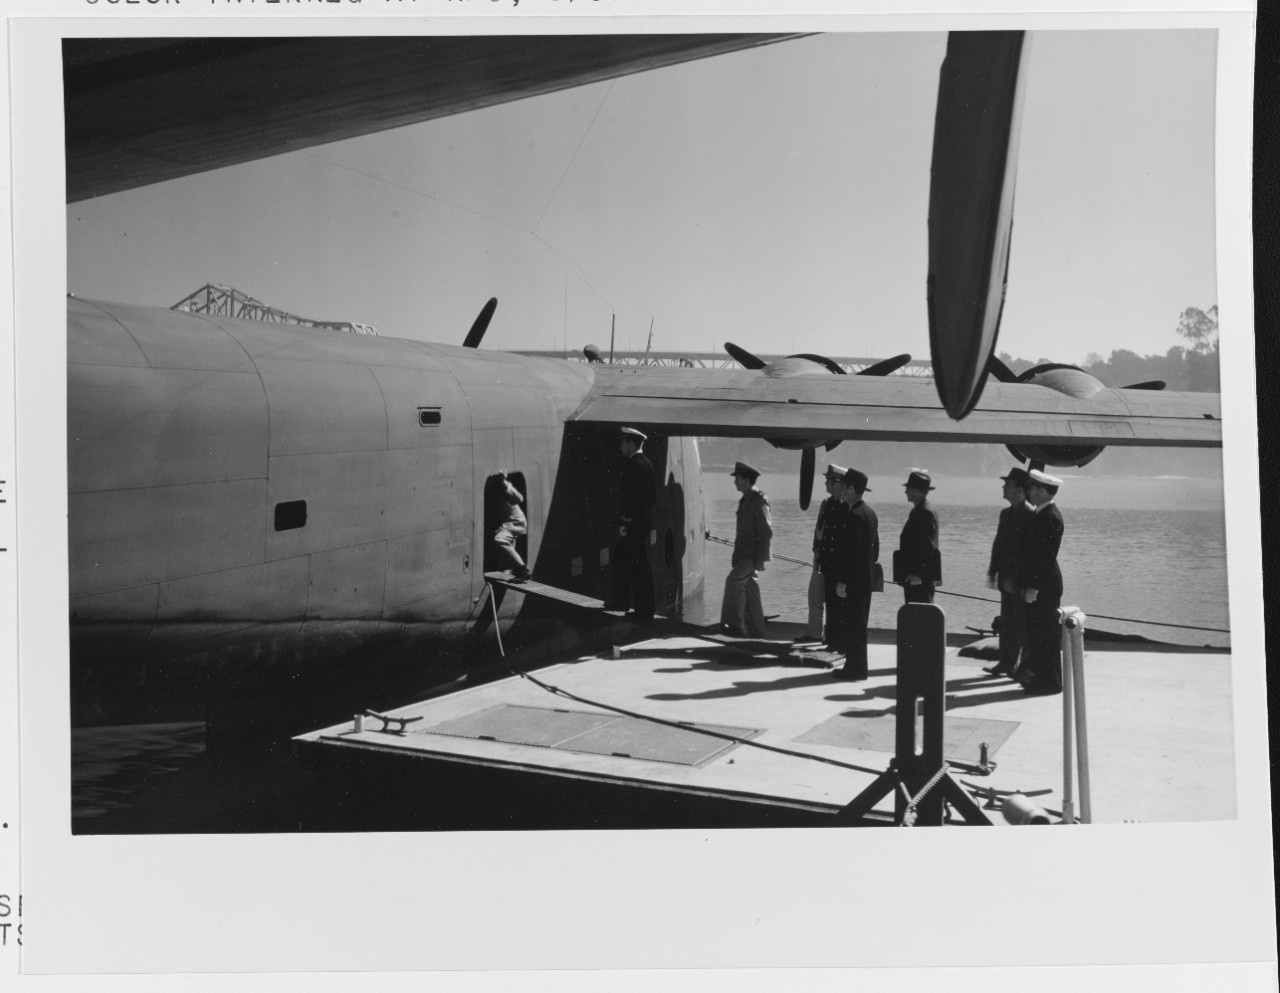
(1044, 644)
(1013, 629)
(855, 648)
(837, 636)
(632, 576)
(921, 593)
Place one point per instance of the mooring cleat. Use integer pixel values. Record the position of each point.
(388, 720)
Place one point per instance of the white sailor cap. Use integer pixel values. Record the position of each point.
(1044, 479)
(835, 471)
(633, 433)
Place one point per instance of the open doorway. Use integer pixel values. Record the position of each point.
(506, 531)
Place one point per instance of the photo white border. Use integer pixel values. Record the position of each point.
(619, 900)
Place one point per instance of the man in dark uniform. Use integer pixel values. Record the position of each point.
(918, 565)
(829, 552)
(1041, 582)
(632, 576)
(1002, 573)
(741, 613)
(814, 631)
(861, 542)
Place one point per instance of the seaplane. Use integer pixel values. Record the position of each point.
(259, 509)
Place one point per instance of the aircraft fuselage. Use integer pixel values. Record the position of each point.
(249, 499)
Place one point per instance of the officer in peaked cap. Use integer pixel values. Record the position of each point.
(917, 564)
(1040, 580)
(854, 577)
(632, 575)
(1002, 572)
(824, 525)
(742, 613)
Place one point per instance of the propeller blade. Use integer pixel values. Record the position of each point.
(743, 357)
(975, 162)
(807, 462)
(481, 324)
(1001, 371)
(1154, 384)
(1013, 451)
(832, 444)
(886, 366)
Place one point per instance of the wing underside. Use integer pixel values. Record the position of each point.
(753, 405)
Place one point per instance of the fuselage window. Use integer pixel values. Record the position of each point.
(291, 515)
(429, 417)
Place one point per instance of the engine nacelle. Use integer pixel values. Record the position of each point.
(1074, 382)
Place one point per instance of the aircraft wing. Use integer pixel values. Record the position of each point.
(708, 402)
(144, 110)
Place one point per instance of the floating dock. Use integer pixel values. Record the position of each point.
(685, 730)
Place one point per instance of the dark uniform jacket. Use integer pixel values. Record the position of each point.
(755, 529)
(834, 516)
(918, 546)
(1005, 549)
(635, 508)
(1038, 562)
(860, 548)
(819, 526)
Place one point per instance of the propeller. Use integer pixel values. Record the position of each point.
(1071, 381)
(481, 324)
(743, 357)
(808, 448)
(808, 461)
(971, 193)
(885, 366)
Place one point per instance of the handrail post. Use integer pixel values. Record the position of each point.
(1075, 627)
(1068, 709)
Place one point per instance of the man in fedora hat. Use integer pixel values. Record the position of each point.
(855, 573)
(917, 564)
(1002, 572)
(742, 613)
(824, 530)
(1041, 583)
(632, 575)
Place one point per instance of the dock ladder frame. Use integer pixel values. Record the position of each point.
(920, 782)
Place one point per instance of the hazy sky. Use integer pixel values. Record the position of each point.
(775, 197)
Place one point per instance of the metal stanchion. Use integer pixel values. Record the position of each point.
(1075, 628)
(1068, 708)
(1074, 724)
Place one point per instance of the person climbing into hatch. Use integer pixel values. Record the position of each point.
(513, 526)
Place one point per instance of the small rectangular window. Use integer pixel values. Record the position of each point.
(291, 515)
(429, 417)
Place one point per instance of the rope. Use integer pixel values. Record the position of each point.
(982, 599)
(909, 815)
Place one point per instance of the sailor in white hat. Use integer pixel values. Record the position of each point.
(1041, 583)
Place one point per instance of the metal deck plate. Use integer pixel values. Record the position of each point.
(875, 733)
(593, 733)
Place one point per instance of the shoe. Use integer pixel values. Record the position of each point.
(616, 605)
(804, 639)
(846, 677)
(639, 618)
(1041, 689)
(520, 575)
(732, 632)
(998, 670)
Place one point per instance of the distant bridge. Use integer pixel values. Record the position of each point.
(718, 360)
